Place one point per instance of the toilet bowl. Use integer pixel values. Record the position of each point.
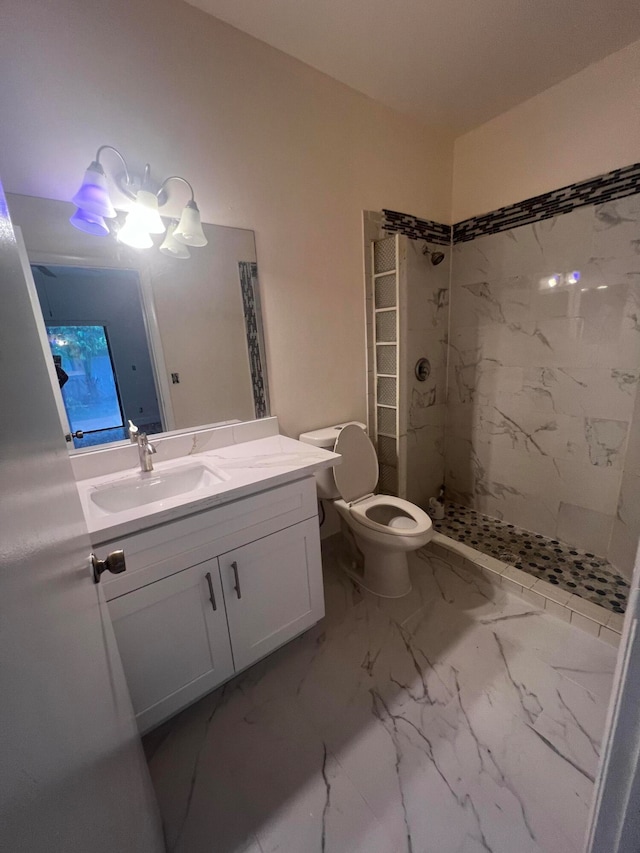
(384, 528)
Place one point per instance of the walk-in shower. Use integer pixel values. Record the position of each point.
(530, 414)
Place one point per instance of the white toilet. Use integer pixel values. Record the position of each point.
(385, 528)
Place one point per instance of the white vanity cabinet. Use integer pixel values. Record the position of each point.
(269, 589)
(174, 646)
(207, 595)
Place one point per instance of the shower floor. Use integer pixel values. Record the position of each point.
(578, 572)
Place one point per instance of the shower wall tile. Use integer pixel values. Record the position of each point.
(503, 472)
(508, 424)
(427, 319)
(584, 528)
(623, 547)
(626, 527)
(632, 459)
(543, 373)
(425, 454)
(593, 392)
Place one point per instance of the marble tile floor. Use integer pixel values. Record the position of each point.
(457, 719)
(575, 571)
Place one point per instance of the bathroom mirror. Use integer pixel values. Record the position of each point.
(168, 343)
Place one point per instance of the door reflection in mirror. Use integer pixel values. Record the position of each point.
(95, 327)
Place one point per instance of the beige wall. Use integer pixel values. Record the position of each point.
(584, 126)
(269, 143)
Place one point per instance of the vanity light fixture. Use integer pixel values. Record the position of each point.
(171, 246)
(94, 206)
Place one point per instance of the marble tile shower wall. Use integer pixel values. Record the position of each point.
(427, 319)
(626, 525)
(543, 412)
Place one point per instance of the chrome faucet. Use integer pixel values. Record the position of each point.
(145, 452)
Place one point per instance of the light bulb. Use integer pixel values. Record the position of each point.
(145, 211)
(133, 234)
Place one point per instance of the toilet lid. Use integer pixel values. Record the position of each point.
(357, 474)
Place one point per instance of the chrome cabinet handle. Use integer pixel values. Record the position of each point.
(236, 585)
(212, 596)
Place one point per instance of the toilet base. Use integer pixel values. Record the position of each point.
(385, 573)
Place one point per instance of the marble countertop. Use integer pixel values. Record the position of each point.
(243, 469)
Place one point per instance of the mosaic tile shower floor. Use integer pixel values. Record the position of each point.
(578, 572)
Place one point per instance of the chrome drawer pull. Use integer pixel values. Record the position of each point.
(212, 597)
(236, 585)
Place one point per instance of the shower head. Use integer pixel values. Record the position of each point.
(436, 257)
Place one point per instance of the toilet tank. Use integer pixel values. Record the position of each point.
(326, 438)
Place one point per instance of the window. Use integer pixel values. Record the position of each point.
(90, 393)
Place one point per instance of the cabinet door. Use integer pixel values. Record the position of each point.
(174, 645)
(273, 590)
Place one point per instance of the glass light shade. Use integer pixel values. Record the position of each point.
(145, 212)
(189, 229)
(134, 235)
(89, 223)
(171, 247)
(93, 195)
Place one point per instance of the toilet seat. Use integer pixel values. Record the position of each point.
(356, 479)
(357, 475)
(422, 521)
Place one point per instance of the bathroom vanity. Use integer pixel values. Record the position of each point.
(221, 539)
(222, 555)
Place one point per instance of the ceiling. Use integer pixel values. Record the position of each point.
(450, 63)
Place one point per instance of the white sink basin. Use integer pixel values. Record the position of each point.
(142, 489)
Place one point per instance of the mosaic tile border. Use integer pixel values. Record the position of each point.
(618, 183)
(612, 185)
(576, 572)
(417, 229)
(255, 344)
(571, 608)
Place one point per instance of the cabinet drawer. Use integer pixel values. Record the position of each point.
(169, 548)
